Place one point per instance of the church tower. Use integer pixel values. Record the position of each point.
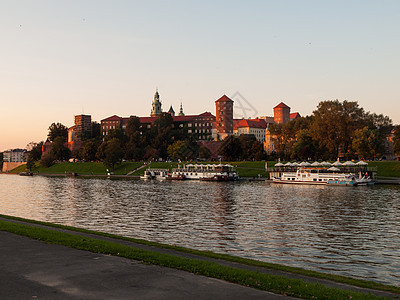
(181, 111)
(156, 106)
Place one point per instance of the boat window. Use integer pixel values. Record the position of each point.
(314, 179)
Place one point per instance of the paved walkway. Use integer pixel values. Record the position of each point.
(30, 268)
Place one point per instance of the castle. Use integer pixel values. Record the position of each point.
(205, 127)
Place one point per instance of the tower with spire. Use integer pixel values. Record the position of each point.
(181, 111)
(156, 106)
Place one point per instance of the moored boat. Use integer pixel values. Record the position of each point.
(27, 173)
(204, 172)
(316, 176)
(158, 174)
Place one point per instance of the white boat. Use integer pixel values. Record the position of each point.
(158, 174)
(316, 176)
(365, 180)
(207, 172)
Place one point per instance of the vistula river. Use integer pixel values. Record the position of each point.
(347, 231)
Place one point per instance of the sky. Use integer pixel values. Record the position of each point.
(63, 58)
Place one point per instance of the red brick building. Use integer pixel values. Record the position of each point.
(224, 117)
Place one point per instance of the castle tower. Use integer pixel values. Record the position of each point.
(156, 106)
(181, 111)
(224, 117)
(281, 113)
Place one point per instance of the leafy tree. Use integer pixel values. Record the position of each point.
(183, 150)
(204, 153)
(334, 123)
(1, 160)
(136, 144)
(150, 153)
(88, 150)
(95, 133)
(47, 160)
(230, 148)
(162, 134)
(257, 151)
(57, 130)
(100, 154)
(35, 152)
(116, 133)
(113, 153)
(177, 150)
(30, 163)
(396, 139)
(58, 150)
(304, 148)
(366, 142)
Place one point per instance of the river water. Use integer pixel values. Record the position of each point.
(346, 231)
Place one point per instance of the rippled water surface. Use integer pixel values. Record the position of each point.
(348, 231)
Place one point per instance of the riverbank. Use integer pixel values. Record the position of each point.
(387, 170)
(270, 277)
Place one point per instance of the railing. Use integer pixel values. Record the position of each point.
(345, 169)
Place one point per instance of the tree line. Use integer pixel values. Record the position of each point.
(334, 129)
(163, 139)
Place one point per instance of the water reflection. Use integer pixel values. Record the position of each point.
(348, 231)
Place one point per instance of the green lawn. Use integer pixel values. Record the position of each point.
(83, 168)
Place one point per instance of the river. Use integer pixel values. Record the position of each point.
(346, 231)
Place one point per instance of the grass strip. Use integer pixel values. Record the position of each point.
(272, 283)
(227, 257)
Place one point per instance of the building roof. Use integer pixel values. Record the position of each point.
(112, 118)
(281, 105)
(251, 123)
(152, 119)
(294, 116)
(224, 98)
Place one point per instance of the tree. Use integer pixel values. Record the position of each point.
(35, 152)
(47, 160)
(95, 133)
(204, 153)
(396, 139)
(58, 150)
(177, 150)
(88, 150)
(57, 130)
(113, 153)
(334, 124)
(366, 142)
(162, 134)
(30, 163)
(256, 151)
(230, 148)
(304, 148)
(183, 150)
(136, 144)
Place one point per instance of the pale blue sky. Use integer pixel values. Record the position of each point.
(59, 58)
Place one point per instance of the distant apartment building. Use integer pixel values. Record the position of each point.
(199, 126)
(15, 155)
